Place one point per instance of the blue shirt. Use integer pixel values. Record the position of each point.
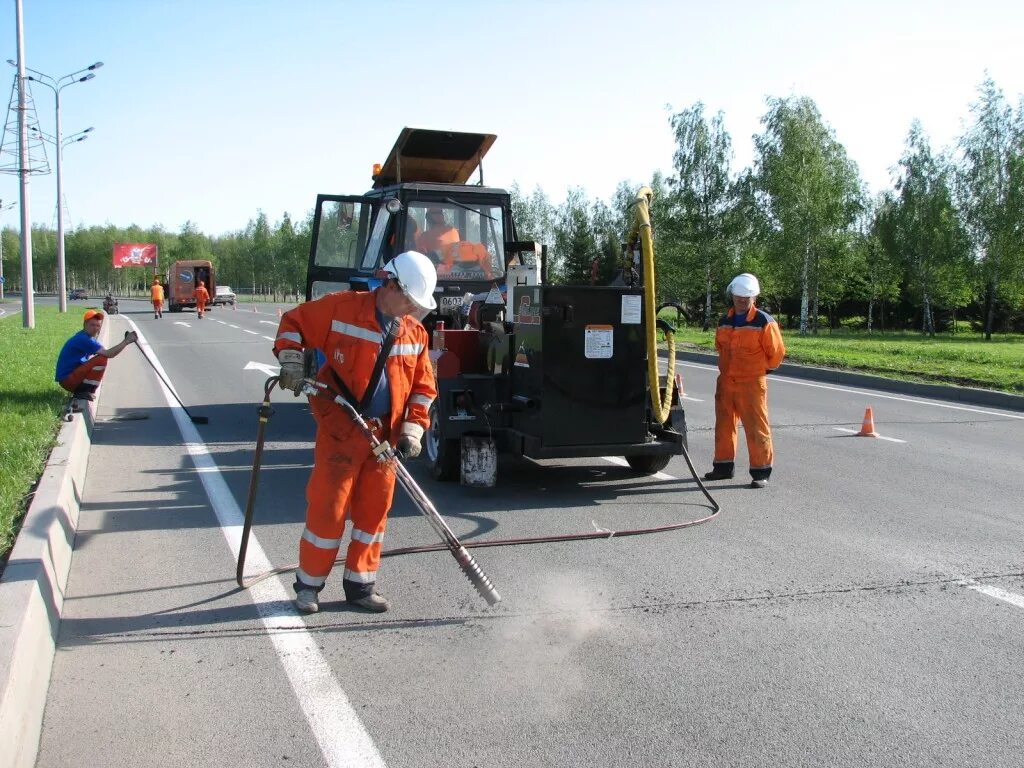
(76, 350)
(380, 404)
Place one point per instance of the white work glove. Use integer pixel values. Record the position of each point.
(291, 376)
(408, 445)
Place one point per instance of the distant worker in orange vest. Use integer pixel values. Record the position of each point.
(437, 236)
(749, 345)
(156, 295)
(202, 296)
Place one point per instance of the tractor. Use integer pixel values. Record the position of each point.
(524, 367)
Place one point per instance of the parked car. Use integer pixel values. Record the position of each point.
(223, 295)
(78, 293)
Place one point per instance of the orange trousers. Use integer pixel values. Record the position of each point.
(346, 481)
(743, 400)
(200, 308)
(87, 376)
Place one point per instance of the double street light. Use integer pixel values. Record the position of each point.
(57, 85)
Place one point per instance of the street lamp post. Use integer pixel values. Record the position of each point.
(2, 209)
(57, 85)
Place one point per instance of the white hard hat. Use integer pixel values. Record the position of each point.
(416, 276)
(744, 285)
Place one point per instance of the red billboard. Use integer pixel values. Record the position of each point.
(134, 255)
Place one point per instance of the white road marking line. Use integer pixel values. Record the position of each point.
(623, 463)
(178, 322)
(877, 437)
(342, 738)
(692, 399)
(269, 338)
(232, 326)
(252, 332)
(269, 322)
(999, 594)
(872, 393)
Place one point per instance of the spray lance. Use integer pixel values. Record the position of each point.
(385, 454)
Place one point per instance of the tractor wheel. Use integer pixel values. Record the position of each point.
(443, 454)
(648, 465)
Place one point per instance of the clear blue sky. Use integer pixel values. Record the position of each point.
(210, 111)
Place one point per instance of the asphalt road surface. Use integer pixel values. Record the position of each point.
(865, 610)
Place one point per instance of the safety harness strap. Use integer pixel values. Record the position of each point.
(378, 369)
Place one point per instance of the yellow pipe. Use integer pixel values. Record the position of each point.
(641, 227)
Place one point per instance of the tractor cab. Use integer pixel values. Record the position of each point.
(421, 200)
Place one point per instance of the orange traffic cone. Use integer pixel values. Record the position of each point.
(679, 386)
(867, 429)
(278, 311)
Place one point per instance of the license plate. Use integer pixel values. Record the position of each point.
(450, 302)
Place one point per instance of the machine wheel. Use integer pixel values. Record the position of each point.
(648, 465)
(443, 455)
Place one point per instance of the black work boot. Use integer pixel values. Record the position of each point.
(720, 470)
(363, 596)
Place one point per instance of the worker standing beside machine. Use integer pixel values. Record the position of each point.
(377, 357)
(749, 345)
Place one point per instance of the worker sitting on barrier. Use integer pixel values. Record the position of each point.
(396, 387)
(83, 360)
(438, 234)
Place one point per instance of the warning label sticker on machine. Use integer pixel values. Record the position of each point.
(631, 310)
(597, 342)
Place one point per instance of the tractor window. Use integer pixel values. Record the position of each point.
(466, 242)
(375, 257)
(342, 233)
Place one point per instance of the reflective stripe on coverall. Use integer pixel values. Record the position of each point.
(745, 354)
(346, 477)
(88, 375)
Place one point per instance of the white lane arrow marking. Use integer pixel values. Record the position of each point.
(178, 322)
(270, 370)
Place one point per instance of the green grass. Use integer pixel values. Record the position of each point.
(32, 405)
(965, 359)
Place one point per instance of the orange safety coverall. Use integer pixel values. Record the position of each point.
(202, 296)
(436, 238)
(347, 479)
(156, 295)
(465, 256)
(747, 349)
(90, 373)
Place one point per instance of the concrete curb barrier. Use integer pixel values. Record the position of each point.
(32, 592)
(969, 395)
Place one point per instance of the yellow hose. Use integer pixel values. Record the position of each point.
(641, 227)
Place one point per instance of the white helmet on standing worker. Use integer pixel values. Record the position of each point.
(416, 276)
(744, 285)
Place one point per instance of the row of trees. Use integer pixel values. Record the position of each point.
(262, 259)
(946, 239)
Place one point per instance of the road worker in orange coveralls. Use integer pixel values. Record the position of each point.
(350, 328)
(749, 345)
(202, 296)
(156, 295)
(83, 360)
(438, 235)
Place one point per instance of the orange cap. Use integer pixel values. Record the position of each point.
(90, 314)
